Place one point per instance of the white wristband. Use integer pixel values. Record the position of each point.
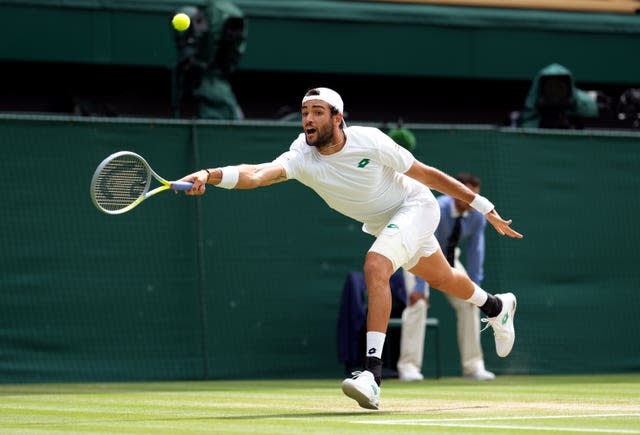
(230, 177)
(482, 204)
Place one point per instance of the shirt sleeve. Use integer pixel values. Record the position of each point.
(392, 154)
(291, 161)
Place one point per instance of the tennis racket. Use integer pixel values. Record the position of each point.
(122, 181)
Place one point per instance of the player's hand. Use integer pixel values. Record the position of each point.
(502, 226)
(199, 181)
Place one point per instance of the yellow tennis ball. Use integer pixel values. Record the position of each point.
(181, 22)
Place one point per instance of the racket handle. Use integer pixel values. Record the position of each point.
(181, 185)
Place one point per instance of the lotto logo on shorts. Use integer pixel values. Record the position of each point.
(393, 226)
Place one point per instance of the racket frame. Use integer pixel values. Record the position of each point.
(146, 193)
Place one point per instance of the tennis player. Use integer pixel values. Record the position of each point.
(361, 173)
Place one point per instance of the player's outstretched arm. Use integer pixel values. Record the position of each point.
(236, 177)
(438, 180)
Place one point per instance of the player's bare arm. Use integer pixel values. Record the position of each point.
(438, 180)
(248, 176)
(253, 176)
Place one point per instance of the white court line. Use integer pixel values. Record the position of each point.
(516, 417)
(535, 428)
(460, 422)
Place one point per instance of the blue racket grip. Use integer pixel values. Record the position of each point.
(181, 185)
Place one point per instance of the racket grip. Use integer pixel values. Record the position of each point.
(181, 185)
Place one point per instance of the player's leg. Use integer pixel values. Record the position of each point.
(499, 309)
(364, 387)
(387, 254)
(435, 269)
(377, 273)
(400, 240)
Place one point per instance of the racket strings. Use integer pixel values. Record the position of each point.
(120, 183)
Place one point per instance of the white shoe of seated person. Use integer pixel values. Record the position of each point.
(480, 375)
(409, 373)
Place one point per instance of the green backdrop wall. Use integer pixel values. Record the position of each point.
(374, 38)
(246, 284)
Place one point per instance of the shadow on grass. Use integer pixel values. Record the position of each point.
(340, 414)
(302, 415)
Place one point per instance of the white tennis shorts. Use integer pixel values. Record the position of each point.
(409, 235)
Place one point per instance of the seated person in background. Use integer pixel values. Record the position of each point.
(413, 328)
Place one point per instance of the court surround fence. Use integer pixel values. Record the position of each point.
(246, 284)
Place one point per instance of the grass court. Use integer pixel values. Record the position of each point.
(605, 404)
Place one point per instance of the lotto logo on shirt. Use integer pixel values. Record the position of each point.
(363, 163)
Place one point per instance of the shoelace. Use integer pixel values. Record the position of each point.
(501, 333)
(489, 322)
(375, 388)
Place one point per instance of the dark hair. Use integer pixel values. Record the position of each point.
(468, 178)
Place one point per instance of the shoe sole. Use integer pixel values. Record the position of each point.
(351, 391)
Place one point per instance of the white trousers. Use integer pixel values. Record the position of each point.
(412, 337)
(467, 325)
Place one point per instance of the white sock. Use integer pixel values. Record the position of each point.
(479, 296)
(375, 342)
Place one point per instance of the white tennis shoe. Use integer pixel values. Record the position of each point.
(409, 373)
(502, 324)
(363, 389)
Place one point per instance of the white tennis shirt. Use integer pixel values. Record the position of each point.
(363, 181)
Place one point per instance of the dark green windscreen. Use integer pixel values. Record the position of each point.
(247, 284)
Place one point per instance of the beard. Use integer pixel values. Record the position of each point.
(322, 138)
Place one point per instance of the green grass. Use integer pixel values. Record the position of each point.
(509, 405)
